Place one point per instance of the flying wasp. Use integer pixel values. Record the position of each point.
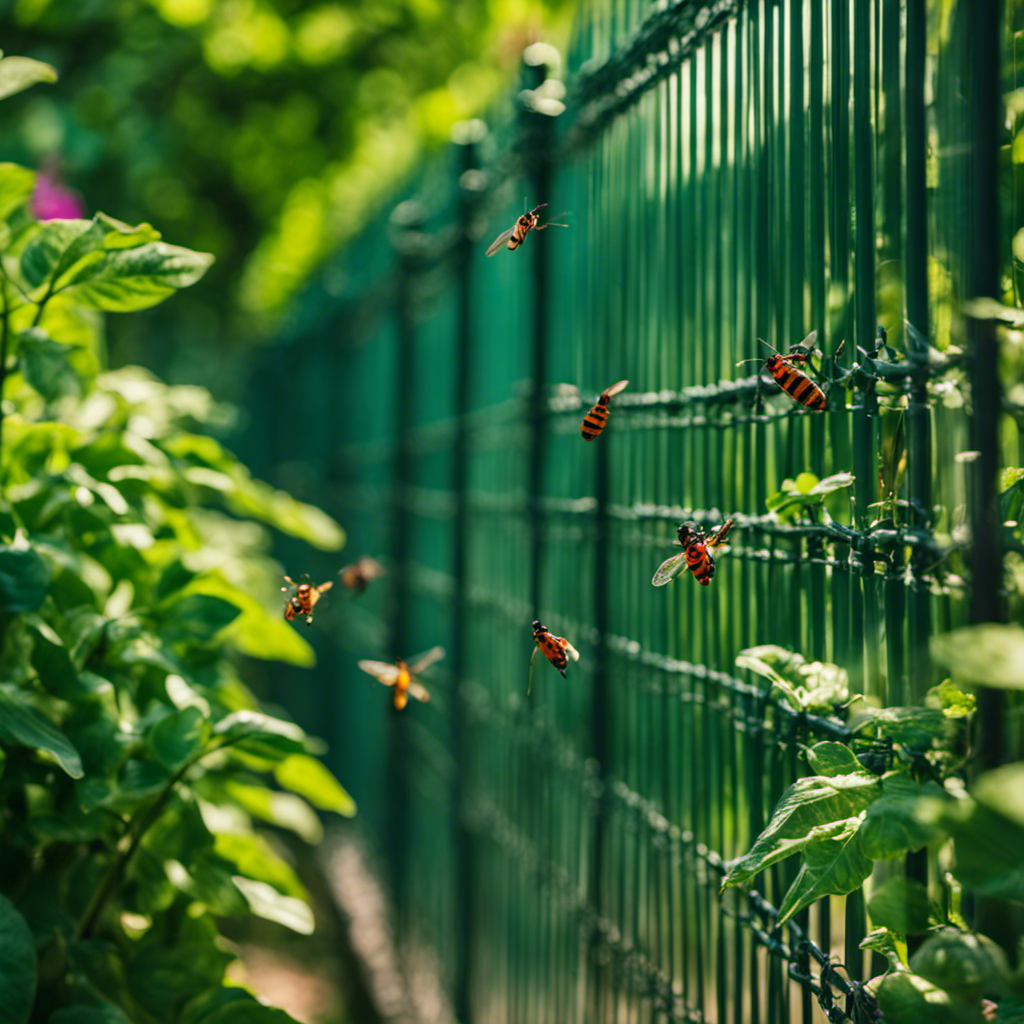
(556, 649)
(516, 235)
(795, 382)
(597, 419)
(402, 676)
(695, 555)
(304, 598)
(358, 575)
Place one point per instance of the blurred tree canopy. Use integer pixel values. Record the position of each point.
(264, 131)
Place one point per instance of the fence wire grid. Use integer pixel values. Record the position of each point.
(731, 171)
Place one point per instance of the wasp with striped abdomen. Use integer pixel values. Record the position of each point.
(556, 649)
(794, 381)
(304, 598)
(402, 676)
(516, 235)
(597, 419)
(696, 554)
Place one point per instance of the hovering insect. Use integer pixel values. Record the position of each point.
(304, 598)
(556, 649)
(402, 676)
(695, 555)
(597, 419)
(358, 575)
(795, 382)
(516, 235)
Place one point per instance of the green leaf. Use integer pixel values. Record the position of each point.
(892, 825)
(19, 73)
(259, 500)
(46, 365)
(130, 279)
(952, 700)
(890, 944)
(1002, 790)
(901, 905)
(24, 578)
(16, 185)
(906, 998)
(285, 810)
(260, 733)
(830, 759)
(53, 248)
(255, 858)
(233, 1006)
(17, 965)
(833, 865)
(965, 964)
(832, 483)
(915, 728)
(990, 654)
(308, 778)
(201, 616)
(51, 660)
(811, 803)
(178, 737)
(266, 902)
(29, 727)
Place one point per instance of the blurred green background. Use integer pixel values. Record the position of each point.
(267, 132)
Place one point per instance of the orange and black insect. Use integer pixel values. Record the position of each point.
(304, 598)
(795, 382)
(556, 649)
(695, 555)
(516, 235)
(402, 676)
(358, 575)
(597, 419)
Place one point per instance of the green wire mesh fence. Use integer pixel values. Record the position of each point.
(732, 171)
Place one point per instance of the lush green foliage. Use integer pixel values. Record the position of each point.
(133, 759)
(897, 788)
(266, 131)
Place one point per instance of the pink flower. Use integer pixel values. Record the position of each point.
(51, 200)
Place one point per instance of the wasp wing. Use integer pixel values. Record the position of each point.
(418, 691)
(425, 660)
(669, 569)
(370, 567)
(569, 649)
(611, 392)
(383, 671)
(500, 241)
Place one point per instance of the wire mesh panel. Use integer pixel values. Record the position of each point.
(736, 175)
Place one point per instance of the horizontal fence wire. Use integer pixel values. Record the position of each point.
(733, 170)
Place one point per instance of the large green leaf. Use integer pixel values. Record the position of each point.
(262, 734)
(17, 966)
(906, 998)
(54, 247)
(131, 279)
(256, 859)
(831, 759)
(23, 724)
(285, 810)
(901, 905)
(965, 964)
(892, 825)
(200, 616)
(989, 654)
(232, 1006)
(16, 185)
(24, 577)
(18, 73)
(808, 804)
(46, 365)
(833, 865)
(308, 778)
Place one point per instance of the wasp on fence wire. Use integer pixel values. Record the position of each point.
(516, 235)
(597, 419)
(695, 555)
(402, 676)
(304, 598)
(794, 382)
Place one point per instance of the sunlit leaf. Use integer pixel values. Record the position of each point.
(990, 654)
(16, 185)
(19, 73)
(266, 902)
(906, 998)
(890, 944)
(965, 964)
(310, 779)
(830, 759)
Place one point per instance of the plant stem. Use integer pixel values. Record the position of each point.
(140, 826)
